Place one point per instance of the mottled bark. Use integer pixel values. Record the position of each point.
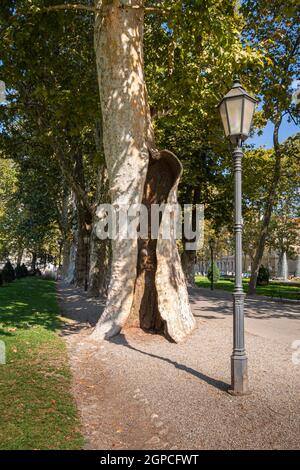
(129, 149)
(82, 251)
(65, 257)
(188, 260)
(71, 268)
(188, 257)
(84, 221)
(100, 251)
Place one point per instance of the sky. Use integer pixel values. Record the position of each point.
(286, 129)
(266, 139)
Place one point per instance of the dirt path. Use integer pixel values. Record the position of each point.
(139, 391)
(114, 414)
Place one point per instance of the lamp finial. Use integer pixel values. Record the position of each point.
(236, 81)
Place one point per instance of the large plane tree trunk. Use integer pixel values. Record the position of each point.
(147, 286)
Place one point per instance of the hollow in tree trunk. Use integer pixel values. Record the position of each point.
(147, 286)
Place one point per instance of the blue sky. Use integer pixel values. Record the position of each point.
(286, 129)
(266, 139)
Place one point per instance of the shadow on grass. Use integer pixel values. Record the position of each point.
(28, 302)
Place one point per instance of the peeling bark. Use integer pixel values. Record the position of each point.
(188, 259)
(134, 175)
(100, 252)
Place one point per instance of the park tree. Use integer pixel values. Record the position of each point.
(8, 186)
(274, 28)
(45, 64)
(257, 182)
(147, 286)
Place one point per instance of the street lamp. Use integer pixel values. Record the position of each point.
(212, 245)
(86, 242)
(237, 109)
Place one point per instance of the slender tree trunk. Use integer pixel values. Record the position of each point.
(264, 230)
(100, 252)
(147, 283)
(33, 261)
(84, 222)
(100, 256)
(188, 257)
(20, 256)
(65, 257)
(82, 252)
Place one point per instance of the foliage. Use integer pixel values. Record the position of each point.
(273, 27)
(263, 276)
(213, 274)
(185, 55)
(257, 180)
(47, 133)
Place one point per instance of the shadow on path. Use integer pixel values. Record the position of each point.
(75, 304)
(220, 302)
(121, 340)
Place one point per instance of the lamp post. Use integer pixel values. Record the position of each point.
(237, 109)
(86, 243)
(212, 245)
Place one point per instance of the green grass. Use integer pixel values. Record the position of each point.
(272, 290)
(36, 406)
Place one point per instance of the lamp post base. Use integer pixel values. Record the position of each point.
(239, 376)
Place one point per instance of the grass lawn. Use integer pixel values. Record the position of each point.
(272, 290)
(36, 407)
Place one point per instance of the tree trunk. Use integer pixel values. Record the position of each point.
(84, 222)
(267, 213)
(100, 256)
(71, 269)
(147, 283)
(188, 259)
(20, 256)
(65, 257)
(33, 261)
(83, 242)
(100, 252)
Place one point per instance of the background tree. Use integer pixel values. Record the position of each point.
(274, 28)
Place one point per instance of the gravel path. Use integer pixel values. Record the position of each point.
(138, 391)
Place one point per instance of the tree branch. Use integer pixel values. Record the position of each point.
(146, 9)
(70, 6)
